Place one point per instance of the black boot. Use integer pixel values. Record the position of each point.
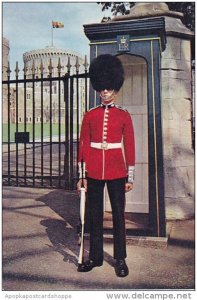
(121, 268)
(88, 266)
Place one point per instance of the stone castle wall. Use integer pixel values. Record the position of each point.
(176, 122)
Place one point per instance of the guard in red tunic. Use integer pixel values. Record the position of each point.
(108, 151)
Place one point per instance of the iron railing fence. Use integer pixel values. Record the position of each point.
(42, 114)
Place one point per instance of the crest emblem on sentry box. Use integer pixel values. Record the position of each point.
(123, 42)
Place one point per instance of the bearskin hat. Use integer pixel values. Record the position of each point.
(106, 72)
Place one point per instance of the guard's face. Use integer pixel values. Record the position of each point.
(107, 95)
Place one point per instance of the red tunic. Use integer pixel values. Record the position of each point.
(110, 124)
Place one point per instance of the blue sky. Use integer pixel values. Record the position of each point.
(27, 26)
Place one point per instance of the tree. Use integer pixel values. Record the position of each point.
(187, 8)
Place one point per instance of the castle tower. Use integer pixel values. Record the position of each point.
(54, 54)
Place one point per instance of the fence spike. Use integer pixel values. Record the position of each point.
(33, 68)
(68, 64)
(86, 63)
(41, 67)
(50, 67)
(77, 65)
(17, 69)
(59, 66)
(8, 69)
(25, 68)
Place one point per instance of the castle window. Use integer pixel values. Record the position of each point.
(28, 96)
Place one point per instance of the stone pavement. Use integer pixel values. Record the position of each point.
(40, 249)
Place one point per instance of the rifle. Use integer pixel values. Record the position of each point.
(82, 217)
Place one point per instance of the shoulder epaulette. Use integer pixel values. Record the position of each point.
(94, 107)
(120, 107)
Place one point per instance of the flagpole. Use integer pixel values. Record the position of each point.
(52, 35)
(55, 25)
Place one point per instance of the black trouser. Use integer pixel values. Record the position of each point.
(116, 190)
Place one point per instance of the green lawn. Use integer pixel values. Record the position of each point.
(29, 128)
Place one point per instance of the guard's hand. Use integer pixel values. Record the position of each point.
(128, 187)
(79, 184)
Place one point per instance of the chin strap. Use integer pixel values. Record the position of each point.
(109, 97)
(131, 174)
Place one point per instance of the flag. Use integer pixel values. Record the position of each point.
(57, 24)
